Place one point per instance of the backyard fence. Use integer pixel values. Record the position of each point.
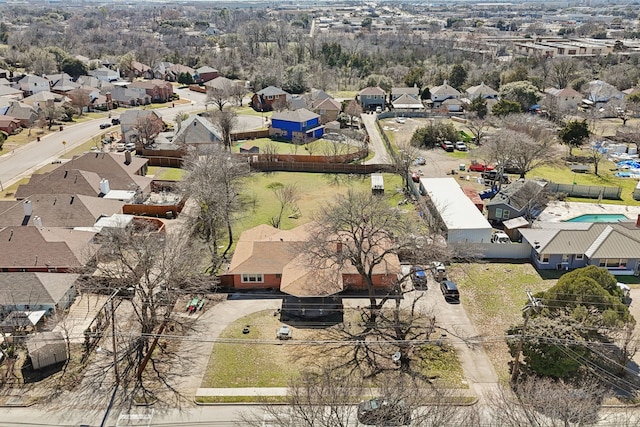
(588, 191)
(267, 166)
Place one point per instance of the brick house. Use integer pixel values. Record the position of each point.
(158, 90)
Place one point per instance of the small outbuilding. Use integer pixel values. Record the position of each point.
(46, 349)
(377, 183)
(248, 148)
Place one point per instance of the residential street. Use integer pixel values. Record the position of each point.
(375, 141)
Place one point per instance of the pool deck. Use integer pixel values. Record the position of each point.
(561, 211)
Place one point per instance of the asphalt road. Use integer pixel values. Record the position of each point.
(375, 141)
(23, 161)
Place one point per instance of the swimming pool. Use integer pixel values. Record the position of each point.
(599, 218)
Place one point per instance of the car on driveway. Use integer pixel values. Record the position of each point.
(401, 120)
(418, 277)
(384, 412)
(439, 271)
(461, 146)
(447, 146)
(105, 125)
(420, 161)
(480, 167)
(450, 291)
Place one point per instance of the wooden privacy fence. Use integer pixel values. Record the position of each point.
(266, 166)
(250, 134)
(302, 158)
(588, 191)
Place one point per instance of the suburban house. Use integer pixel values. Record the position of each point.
(31, 84)
(36, 291)
(130, 97)
(92, 174)
(198, 133)
(61, 83)
(205, 73)
(371, 98)
(89, 99)
(268, 98)
(569, 245)
(601, 92)
(158, 90)
(397, 92)
(407, 103)
(441, 93)
(139, 69)
(270, 258)
(452, 105)
(177, 69)
(11, 93)
(520, 198)
(329, 109)
(481, 90)
(40, 249)
(105, 74)
(27, 114)
(57, 210)
(9, 124)
(130, 120)
(45, 99)
(566, 99)
(221, 84)
(297, 126)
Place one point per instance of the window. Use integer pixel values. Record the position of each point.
(579, 256)
(252, 278)
(543, 258)
(565, 257)
(269, 96)
(613, 262)
(505, 214)
(498, 212)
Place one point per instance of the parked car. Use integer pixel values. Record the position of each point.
(447, 146)
(415, 177)
(384, 412)
(450, 291)
(105, 125)
(461, 146)
(120, 146)
(115, 121)
(401, 120)
(420, 161)
(480, 167)
(500, 237)
(493, 176)
(378, 109)
(284, 333)
(130, 146)
(439, 271)
(418, 277)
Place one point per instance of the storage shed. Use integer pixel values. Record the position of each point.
(46, 348)
(458, 216)
(636, 192)
(377, 183)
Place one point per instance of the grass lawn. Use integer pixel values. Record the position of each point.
(249, 111)
(494, 295)
(166, 173)
(315, 189)
(258, 359)
(317, 147)
(349, 94)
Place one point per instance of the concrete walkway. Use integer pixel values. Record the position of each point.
(375, 141)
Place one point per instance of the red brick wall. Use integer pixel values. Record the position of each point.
(270, 282)
(355, 281)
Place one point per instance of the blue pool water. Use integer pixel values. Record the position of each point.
(598, 218)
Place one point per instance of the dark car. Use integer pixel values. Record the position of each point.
(450, 290)
(493, 176)
(104, 125)
(447, 146)
(384, 412)
(115, 121)
(418, 277)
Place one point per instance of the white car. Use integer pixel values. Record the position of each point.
(500, 237)
(461, 146)
(401, 120)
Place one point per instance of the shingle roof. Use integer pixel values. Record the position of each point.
(405, 90)
(444, 89)
(368, 91)
(328, 104)
(517, 194)
(197, 130)
(34, 288)
(481, 90)
(73, 181)
(300, 115)
(271, 91)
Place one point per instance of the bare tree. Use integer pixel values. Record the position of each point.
(80, 99)
(403, 161)
(148, 127)
(353, 109)
(226, 121)
(563, 71)
(180, 117)
(270, 150)
(478, 128)
(534, 401)
(596, 153)
(213, 181)
(287, 195)
(154, 268)
(221, 95)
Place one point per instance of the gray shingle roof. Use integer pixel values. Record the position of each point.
(298, 116)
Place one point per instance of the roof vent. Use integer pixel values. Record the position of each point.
(27, 207)
(104, 186)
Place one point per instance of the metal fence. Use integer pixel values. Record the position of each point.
(588, 191)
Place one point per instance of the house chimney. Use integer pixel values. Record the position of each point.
(27, 207)
(339, 247)
(127, 157)
(104, 186)
(37, 221)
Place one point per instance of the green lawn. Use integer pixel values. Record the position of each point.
(166, 173)
(349, 94)
(249, 111)
(493, 295)
(314, 189)
(317, 147)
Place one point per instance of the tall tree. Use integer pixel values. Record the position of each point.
(457, 76)
(226, 121)
(574, 133)
(504, 107)
(522, 92)
(479, 106)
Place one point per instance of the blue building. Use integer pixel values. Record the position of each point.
(296, 126)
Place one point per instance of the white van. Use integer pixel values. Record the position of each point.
(500, 237)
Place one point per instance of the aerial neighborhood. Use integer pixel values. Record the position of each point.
(422, 214)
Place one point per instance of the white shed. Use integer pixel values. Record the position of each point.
(377, 183)
(462, 220)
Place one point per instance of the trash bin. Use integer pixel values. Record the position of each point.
(61, 128)
(462, 167)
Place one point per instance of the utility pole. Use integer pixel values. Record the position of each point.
(113, 342)
(534, 304)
